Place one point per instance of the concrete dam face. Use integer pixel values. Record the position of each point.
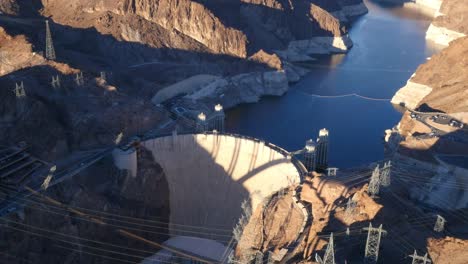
(210, 175)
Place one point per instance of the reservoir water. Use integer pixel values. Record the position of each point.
(389, 44)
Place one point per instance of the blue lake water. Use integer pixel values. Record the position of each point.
(389, 44)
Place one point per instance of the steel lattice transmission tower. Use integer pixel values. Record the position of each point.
(419, 259)
(48, 179)
(259, 258)
(56, 82)
(374, 236)
(331, 171)
(103, 76)
(385, 174)
(19, 91)
(439, 224)
(350, 209)
(50, 51)
(79, 80)
(329, 257)
(374, 184)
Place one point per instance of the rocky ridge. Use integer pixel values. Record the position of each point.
(450, 22)
(439, 85)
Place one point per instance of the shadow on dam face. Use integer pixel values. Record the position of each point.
(210, 175)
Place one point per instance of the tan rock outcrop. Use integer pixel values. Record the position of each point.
(450, 22)
(448, 250)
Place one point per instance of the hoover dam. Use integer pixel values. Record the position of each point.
(210, 175)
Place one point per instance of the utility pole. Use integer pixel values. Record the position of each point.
(439, 224)
(385, 174)
(374, 236)
(79, 79)
(419, 259)
(50, 51)
(374, 184)
(56, 82)
(350, 210)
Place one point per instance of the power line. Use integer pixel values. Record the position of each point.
(67, 207)
(126, 227)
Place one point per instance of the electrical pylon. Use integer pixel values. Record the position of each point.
(374, 236)
(331, 171)
(50, 51)
(419, 259)
(118, 139)
(385, 174)
(103, 76)
(329, 257)
(259, 258)
(19, 90)
(56, 82)
(374, 184)
(79, 79)
(350, 210)
(47, 180)
(439, 224)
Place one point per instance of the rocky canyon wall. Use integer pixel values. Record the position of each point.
(438, 85)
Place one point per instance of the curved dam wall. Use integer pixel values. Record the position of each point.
(209, 176)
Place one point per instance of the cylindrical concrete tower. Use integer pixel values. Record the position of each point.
(218, 118)
(310, 155)
(201, 123)
(322, 149)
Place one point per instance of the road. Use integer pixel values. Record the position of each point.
(443, 119)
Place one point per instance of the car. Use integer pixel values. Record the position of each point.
(413, 115)
(456, 123)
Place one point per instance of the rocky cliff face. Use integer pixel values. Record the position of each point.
(441, 82)
(448, 250)
(236, 28)
(450, 22)
(438, 85)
